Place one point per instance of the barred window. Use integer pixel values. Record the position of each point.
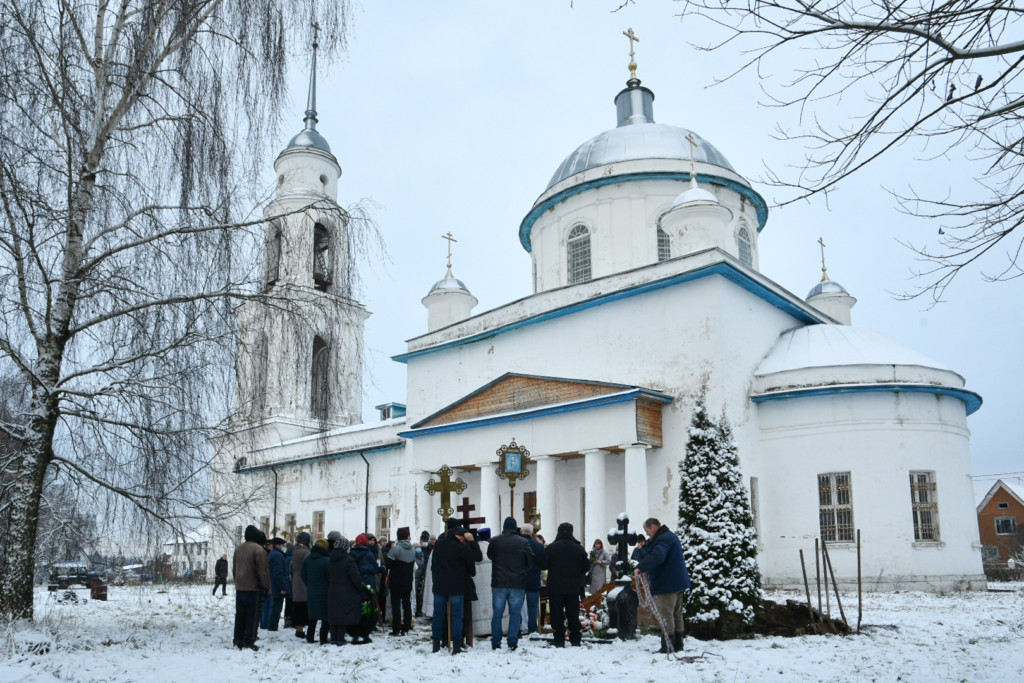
(924, 505)
(578, 254)
(383, 522)
(744, 247)
(664, 246)
(1006, 526)
(321, 257)
(835, 507)
(320, 398)
(318, 525)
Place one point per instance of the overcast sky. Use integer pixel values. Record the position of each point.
(453, 116)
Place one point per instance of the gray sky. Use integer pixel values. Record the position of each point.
(453, 116)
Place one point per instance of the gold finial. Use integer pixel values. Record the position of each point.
(632, 62)
(824, 273)
(693, 149)
(450, 240)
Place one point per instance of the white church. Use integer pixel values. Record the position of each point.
(646, 286)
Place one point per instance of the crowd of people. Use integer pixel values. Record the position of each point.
(343, 586)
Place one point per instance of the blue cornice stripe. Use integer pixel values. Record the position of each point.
(331, 456)
(723, 268)
(972, 401)
(756, 200)
(537, 412)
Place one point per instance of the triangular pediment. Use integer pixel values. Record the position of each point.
(513, 392)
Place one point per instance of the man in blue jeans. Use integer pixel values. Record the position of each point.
(532, 579)
(454, 558)
(512, 557)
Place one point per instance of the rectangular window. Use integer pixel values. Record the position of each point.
(289, 527)
(835, 507)
(989, 553)
(530, 507)
(1006, 526)
(1003, 506)
(924, 505)
(318, 525)
(383, 522)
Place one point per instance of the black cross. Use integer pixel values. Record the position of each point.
(465, 509)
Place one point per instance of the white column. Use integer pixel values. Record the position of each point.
(598, 518)
(426, 515)
(636, 484)
(546, 495)
(489, 497)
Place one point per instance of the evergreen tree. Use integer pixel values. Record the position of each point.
(717, 530)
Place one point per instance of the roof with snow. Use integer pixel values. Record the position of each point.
(1016, 489)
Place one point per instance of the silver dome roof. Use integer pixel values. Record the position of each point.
(309, 137)
(827, 287)
(638, 141)
(448, 284)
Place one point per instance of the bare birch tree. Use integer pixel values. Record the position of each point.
(129, 132)
(872, 75)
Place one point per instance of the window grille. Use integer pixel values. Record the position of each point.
(664, 246)
(924, 506)
(383, 522)
(321, 257)
(578, 252)
(835, 507)
(318, 525)
(1006, 526)
(744, 247)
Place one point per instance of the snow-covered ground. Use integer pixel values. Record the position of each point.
(183, 634)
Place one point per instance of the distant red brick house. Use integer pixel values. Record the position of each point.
(1001, 528)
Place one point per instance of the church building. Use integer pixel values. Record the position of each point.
(646, 288)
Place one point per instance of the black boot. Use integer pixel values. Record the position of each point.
(435, 645)
(677, 641)
(457, 647)
(664, 645)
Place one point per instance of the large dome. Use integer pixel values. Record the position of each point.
(637, 141)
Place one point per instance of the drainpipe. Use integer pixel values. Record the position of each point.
(273, 522)
(366, 496)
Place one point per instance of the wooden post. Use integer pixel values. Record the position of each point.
(835, 586)
(824, 576)
(817, 575)
(807, 589)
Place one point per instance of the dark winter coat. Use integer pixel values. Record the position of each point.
(533, 575)
(314, 575)
(345, 590)
(567, 563)
(511, 558)
(249, 564)
(299, 556)
(400, 563)
(638, 554)
(221, 569)
(663, 560)
(278, 572)
(366, 561)
(453, 564)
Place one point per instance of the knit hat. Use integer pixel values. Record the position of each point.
(322, 543)
(333, 536)
(342, 543)
(361, 539)
(302, 538)
(527, 529)
(510, 524)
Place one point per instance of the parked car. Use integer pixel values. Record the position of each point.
(67, 574)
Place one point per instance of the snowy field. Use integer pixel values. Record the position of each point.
(184, 634)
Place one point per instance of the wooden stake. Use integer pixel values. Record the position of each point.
(807, 590)
(817, 575)
(824, 575)
(835, 586)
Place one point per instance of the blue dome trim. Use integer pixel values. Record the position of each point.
(972, 401)
(756, 200)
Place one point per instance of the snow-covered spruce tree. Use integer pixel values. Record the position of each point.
(717, 530)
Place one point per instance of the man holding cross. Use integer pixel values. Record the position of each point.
(452, 565)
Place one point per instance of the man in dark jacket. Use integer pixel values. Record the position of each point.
(400, 569)
(532, 580)
(567, 564)
(453, 564)
(511, 558)
(299, 612)
(252, 579)
(279, 587)
(666, 568)
(220, 571)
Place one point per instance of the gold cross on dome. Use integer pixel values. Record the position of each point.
(450, 240)
(824, 274)
(632, 62)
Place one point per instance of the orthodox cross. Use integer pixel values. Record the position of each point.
(450, 240)
(622, 538)
(632, 62)
(824, 275)
(693, 150)
(445, 487)
(512, 460)
(466, 508)
(316, 34)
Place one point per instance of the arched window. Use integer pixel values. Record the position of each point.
(321, 398)
(321, 257)
(273, 258)
(664, 246)
(260, 366)
(744, 245)
(578, 254)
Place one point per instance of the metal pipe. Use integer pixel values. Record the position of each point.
(860, 590)
(273, 522)
(366, 496)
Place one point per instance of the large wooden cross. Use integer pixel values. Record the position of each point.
(465, 509)
(446, 487)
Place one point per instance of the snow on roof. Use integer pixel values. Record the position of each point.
(815, 346)
(982, 489)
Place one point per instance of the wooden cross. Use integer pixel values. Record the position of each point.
(445, 487)
(824, 274)
(465, 509)
(632, 62)
(450, 240)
